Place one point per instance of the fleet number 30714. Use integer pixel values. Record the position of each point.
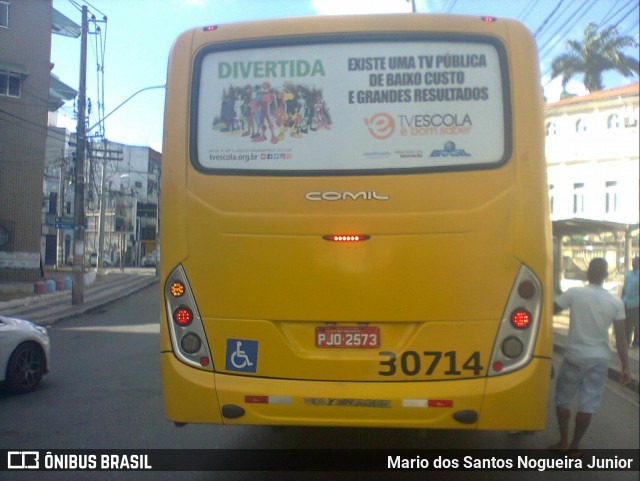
(412, 363)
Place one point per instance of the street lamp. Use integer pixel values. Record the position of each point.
(124, 102)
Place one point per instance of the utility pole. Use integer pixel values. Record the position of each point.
(105, 154)
(101, 219)
(77, 292)
(60, 255)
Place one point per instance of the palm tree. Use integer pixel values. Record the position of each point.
(598, 52)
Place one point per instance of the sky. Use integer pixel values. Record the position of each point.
(132, 47)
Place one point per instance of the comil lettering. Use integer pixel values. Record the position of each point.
(333, 196)
(270, 69)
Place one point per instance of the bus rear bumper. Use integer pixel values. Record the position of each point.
(515, 401)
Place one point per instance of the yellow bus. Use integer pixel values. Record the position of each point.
(355, 226)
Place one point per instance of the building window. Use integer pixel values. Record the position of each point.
(551, 129)
(4, 14)
(552, 198)
(9, 84)
(581, 126)
(578, 198)
(630, 117)
(611, 197)
(613, 122)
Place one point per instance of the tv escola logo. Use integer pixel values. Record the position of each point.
(381, 126)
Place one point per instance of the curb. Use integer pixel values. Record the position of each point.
(87, 306)
(48, 309)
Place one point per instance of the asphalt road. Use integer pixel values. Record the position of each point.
(103, 392)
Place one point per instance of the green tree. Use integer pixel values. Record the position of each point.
(598, 52)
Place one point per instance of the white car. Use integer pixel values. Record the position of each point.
(151, 259)
(93, 260)
(24, 354)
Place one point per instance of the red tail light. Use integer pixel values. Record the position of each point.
(182, 316)
(520, 318)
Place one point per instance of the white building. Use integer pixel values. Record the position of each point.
(131, 192)
(592, 156)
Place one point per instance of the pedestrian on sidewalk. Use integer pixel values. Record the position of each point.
(592, 310)
(631, 300)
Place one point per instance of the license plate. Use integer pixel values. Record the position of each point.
(354, 337)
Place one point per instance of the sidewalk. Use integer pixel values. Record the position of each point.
(47, 309)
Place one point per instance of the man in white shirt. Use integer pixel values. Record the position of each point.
(586, 358)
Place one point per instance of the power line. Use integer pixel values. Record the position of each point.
(550, 31)
(76, 5)
(19, 157)
(612, 15)
(565, 28)
(449, 8)
(528, 9)
(94, 8)
(99, 45)
(31, 123)
(629, 12)
(548, 18)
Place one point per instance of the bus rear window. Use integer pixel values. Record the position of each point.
(351, 107)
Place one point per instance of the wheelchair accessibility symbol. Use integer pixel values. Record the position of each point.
(242, 355)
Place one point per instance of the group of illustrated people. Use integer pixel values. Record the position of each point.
(592, 311)
(263, 112)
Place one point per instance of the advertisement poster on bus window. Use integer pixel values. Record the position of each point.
(351, 106)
